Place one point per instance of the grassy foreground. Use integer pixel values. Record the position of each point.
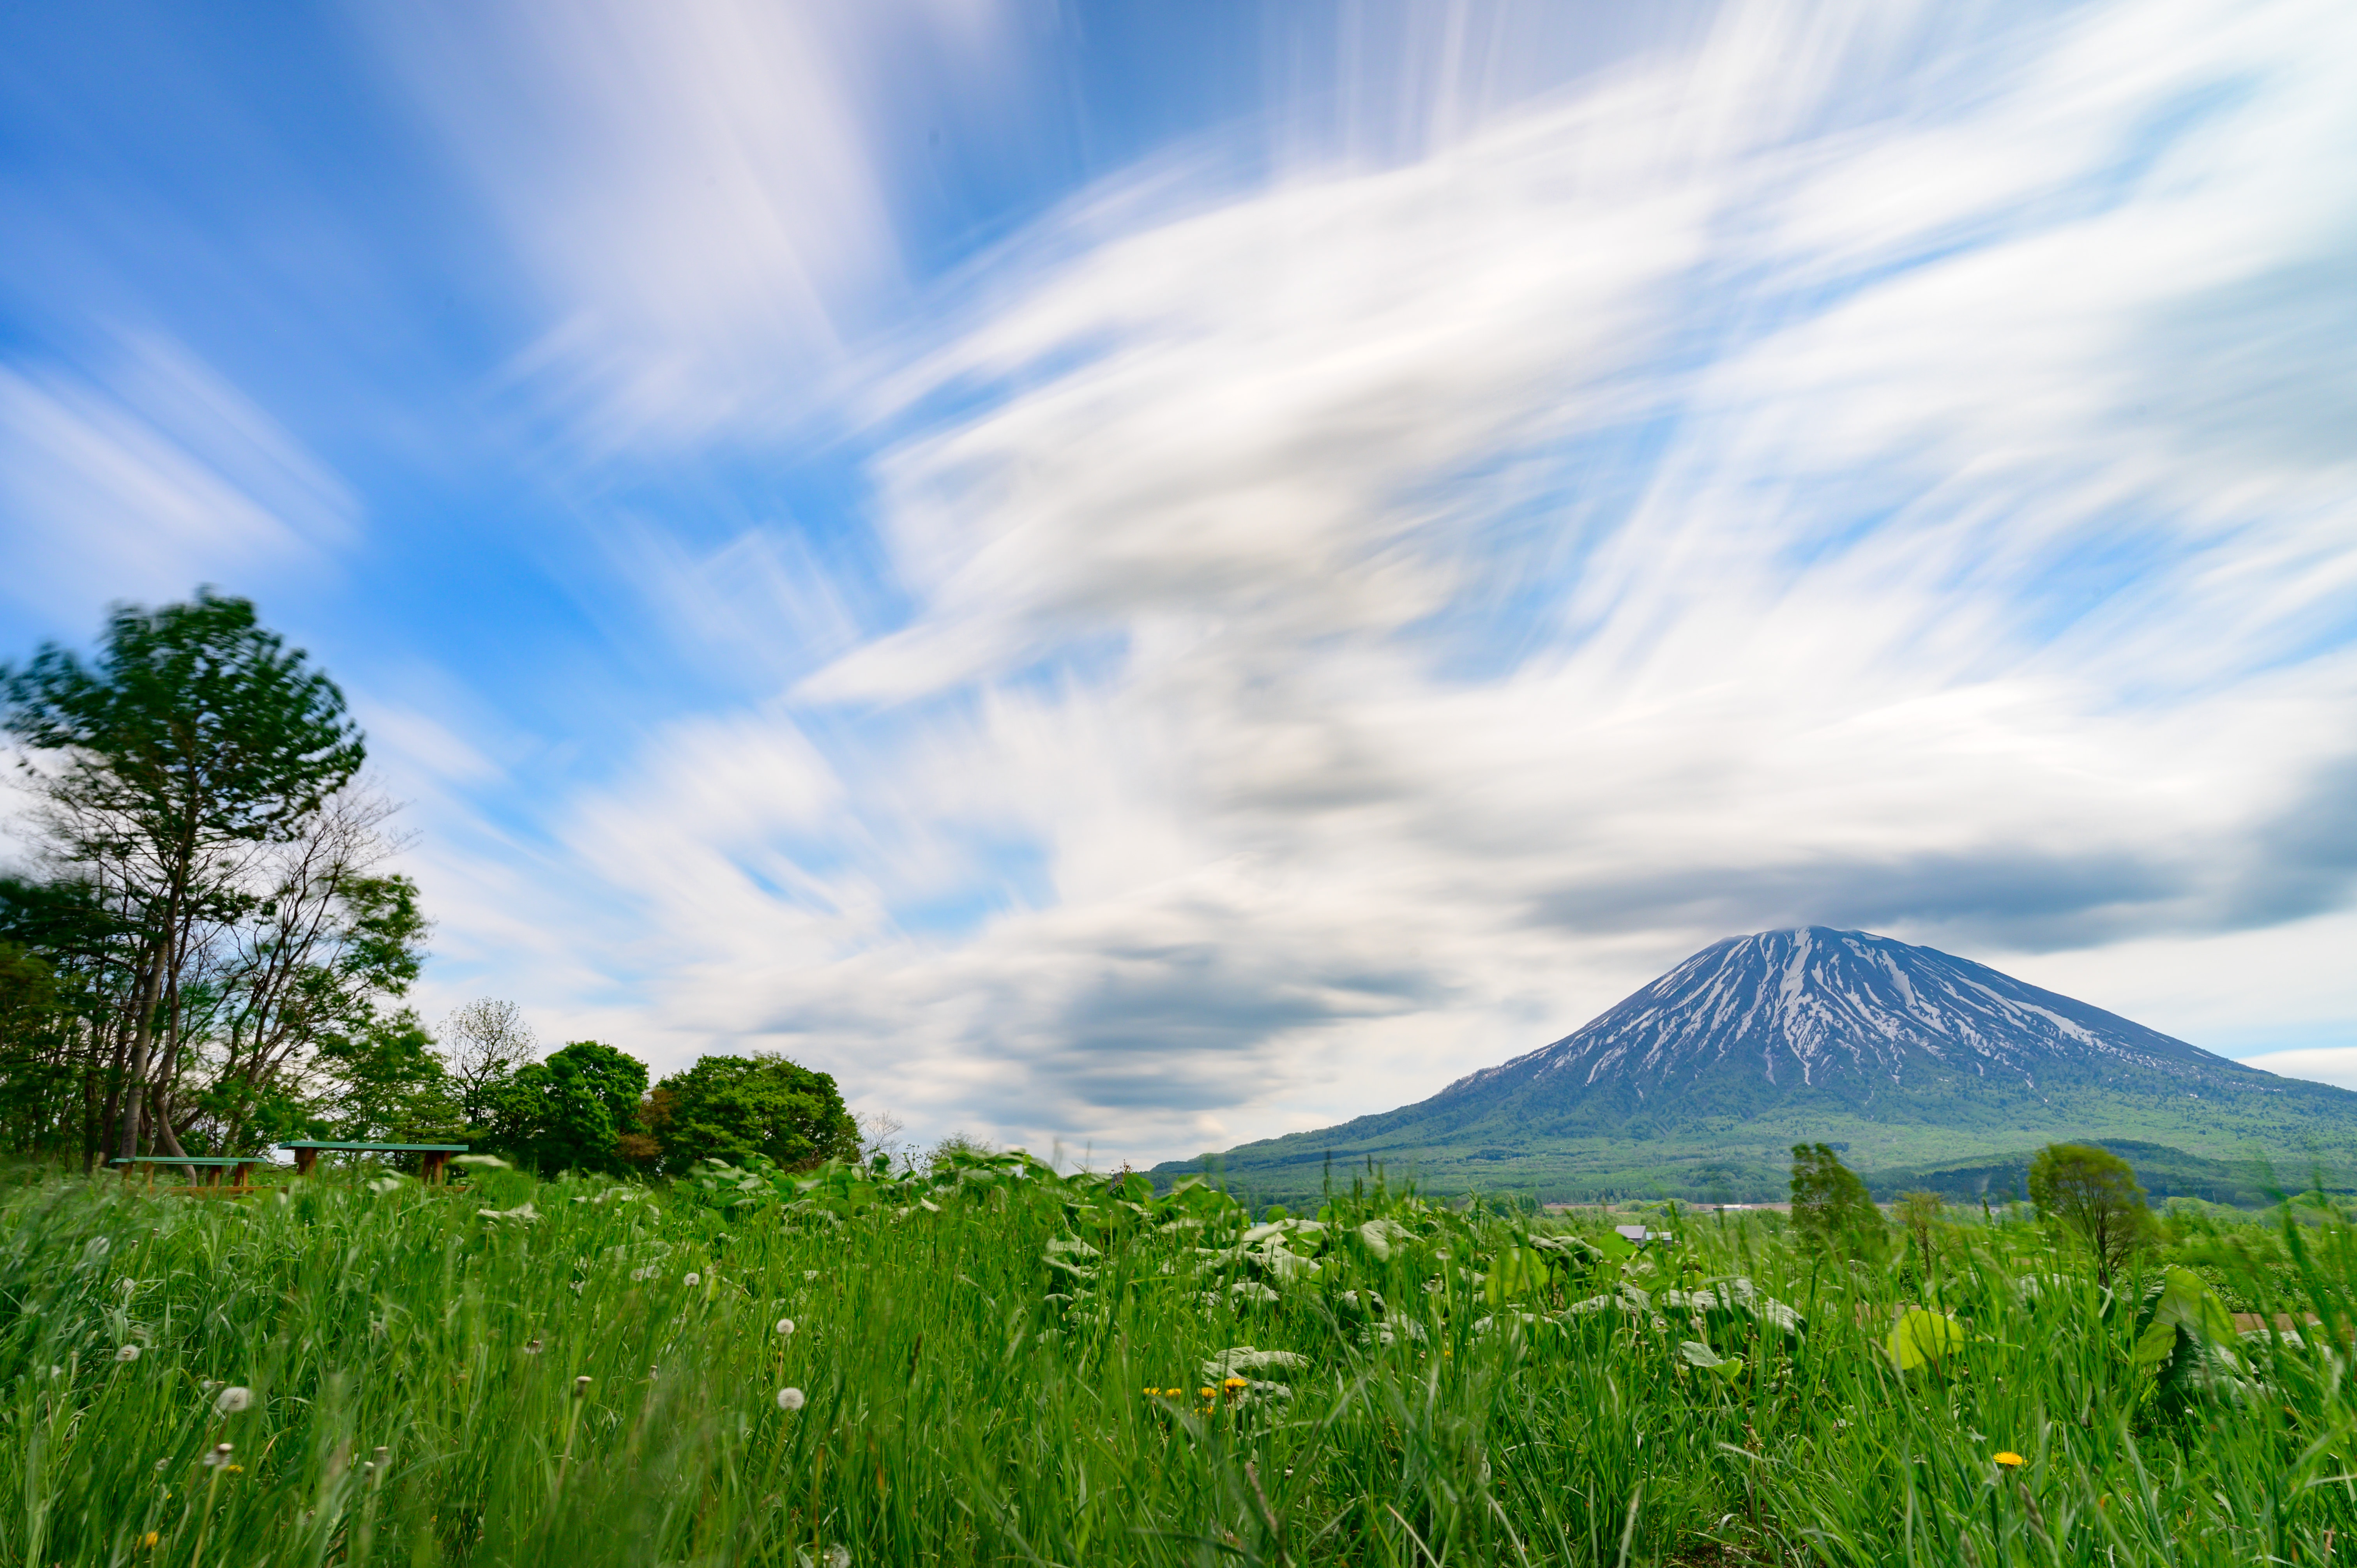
(1000, 1364)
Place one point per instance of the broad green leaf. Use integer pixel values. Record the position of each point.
(1381, 1235)
(2154, 1348)
(1702, 1357)
(1515, 1273)
(2186, 1302)
(1922, 1337)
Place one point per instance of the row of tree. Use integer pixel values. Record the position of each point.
(2086, 1189)
(205, 947)
(587, 1106)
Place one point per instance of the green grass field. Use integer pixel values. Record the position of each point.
(998, 1365)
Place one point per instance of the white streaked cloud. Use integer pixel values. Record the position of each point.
(147, 473)
(1851, 470)
(697, 194)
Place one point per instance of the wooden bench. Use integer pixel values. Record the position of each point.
(235, 1165)
(434, 1155)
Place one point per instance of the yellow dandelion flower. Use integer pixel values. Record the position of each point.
(150, 1539)
(1205, 1393)
(2011, 1460)
(1237, 1383)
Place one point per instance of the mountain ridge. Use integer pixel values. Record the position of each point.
(1700, 1078)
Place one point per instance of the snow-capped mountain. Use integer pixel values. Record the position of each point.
(1846, 1012)
(1703, 1079)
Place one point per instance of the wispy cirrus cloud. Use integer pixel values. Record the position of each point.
(144, 471)
(1362, 622)
(700, 197)
(1475, 503)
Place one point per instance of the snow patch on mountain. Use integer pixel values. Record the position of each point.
(1802, 1007)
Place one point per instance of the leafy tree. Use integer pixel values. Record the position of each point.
(31, 1020)
(328, 940)
(69, 1012)
(731, 1107)
(392, 1086)
(959, 1147)
(1921, 1213)
(2094, 1194)
(571, 1111)
(485, 1042)
(194, 736)
(1831, 1209)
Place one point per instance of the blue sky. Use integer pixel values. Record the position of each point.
(1141, 575)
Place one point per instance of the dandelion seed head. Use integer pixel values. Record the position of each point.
(127, 1353)
(785, 1326)
(232, 1400)
(581, 1386)
(531, 1346)
(791, 1400)
(692, 1280)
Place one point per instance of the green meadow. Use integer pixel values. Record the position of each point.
(988, 1362)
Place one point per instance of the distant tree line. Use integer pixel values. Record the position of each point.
(208, 951)
(2086, 1192)
(587, 1106)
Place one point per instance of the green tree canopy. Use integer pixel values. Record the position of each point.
(729, 1107)
(392, 1086)
(195, 732)
(1921, 1214)
(32, 1018)
(2094, 1194)
(1831, 1209)
(572, 1109)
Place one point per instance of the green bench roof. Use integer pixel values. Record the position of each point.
(378, 1148)
(191, 1159)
